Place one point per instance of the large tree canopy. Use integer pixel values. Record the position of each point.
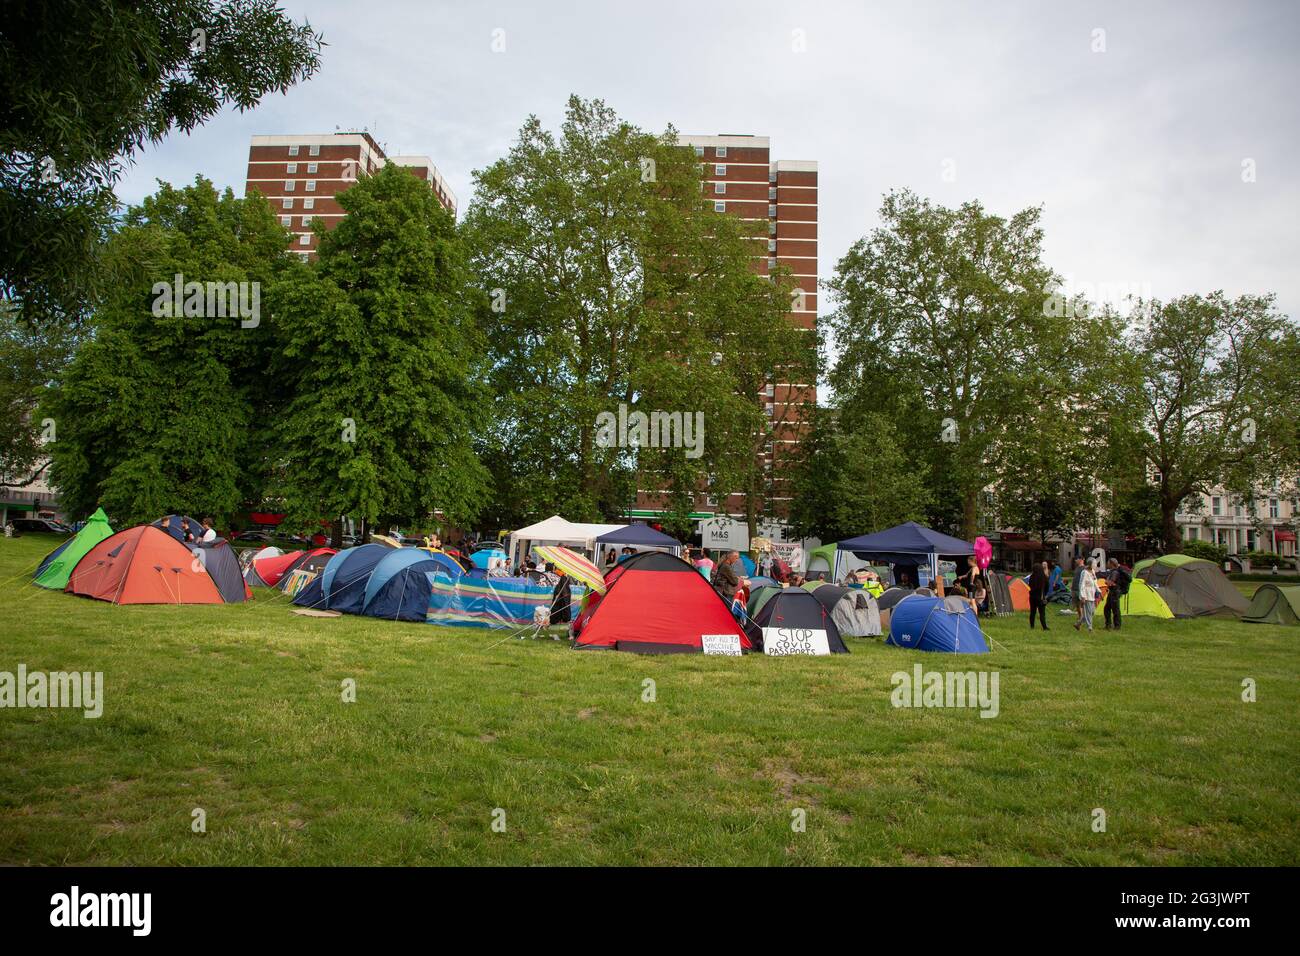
(86, 83)
(941, 322)
(383, 361)
(613, 281)
(1212, 389)
(160, 410)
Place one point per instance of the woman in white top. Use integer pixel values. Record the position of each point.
(1088, 594)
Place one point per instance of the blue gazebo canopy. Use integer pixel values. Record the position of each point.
(907, 542)
(639, 535)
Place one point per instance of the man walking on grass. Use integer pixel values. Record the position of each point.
(1119, 579)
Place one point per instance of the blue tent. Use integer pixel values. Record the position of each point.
(342, 585)
(748, 563)
(757, 581)
(928, 624)
(399, 585)
(638, 535)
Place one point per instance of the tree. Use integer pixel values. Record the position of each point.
(1047, 488)
(856, 480)
(1213, 399)
(84, 84)
(384, 365)
(613, 283)
(1136, 511)
(158, 410)
(30, 358)
(951, 306)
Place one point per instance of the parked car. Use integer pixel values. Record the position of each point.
(259, 537)
(40, 526)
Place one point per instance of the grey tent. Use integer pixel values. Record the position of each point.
(853, 610)
(219, 560)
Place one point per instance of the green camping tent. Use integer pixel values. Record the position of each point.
(1143, 601)
(1192, 587)
(56, 569)
(759, 597)
(1274, 604)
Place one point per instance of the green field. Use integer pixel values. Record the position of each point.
(237, 710)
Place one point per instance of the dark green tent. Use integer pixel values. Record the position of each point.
(1274, 604)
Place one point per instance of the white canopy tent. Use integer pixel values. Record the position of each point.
(556, 530)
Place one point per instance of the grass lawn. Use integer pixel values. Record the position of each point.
(237, 710)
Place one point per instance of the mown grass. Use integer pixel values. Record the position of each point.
(237, 710)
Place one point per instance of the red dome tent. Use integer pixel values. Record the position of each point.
(143, 565)
(656, 603)
(267, 572)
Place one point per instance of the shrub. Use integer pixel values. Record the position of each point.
(1206, 550)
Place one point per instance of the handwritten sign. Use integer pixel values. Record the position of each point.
(786, 641)
(727, 645)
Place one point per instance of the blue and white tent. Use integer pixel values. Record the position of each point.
(932, 624)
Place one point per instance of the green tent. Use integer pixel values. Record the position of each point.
(759, 597)
(1143, 601)
(822, 561)
(1191, 587)
(1274, 604)
(56, 569)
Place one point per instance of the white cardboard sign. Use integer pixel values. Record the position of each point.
(786, 641)
(727, 645)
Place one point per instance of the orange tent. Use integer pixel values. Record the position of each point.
(1019, 593)
(143, 565)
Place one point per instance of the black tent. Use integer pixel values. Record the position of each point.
(786, 617)
(999, 594)
(891, 597)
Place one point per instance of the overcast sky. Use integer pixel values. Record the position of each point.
(1133, 140)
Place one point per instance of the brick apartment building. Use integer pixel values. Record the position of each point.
(742, 179)
(301, 175)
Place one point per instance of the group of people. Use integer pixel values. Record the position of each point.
(206, 536)
(1085, 591)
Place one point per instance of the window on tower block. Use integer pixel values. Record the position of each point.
(291, 168)
(304, 239)
(719, 207)
(293, 150)
(311, 185)
(309, 202)
(311, 167)
(720, 188)
(720, 169)
(720, 152)
(286, 203)
(288, 185)
(313, 151)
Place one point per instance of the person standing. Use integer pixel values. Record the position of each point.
(1119, 579)
(1038, 579)
(704, 564)
(209, 532)
(1088, 592)
(561, 599)
(1076, 580)
(726, 581)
